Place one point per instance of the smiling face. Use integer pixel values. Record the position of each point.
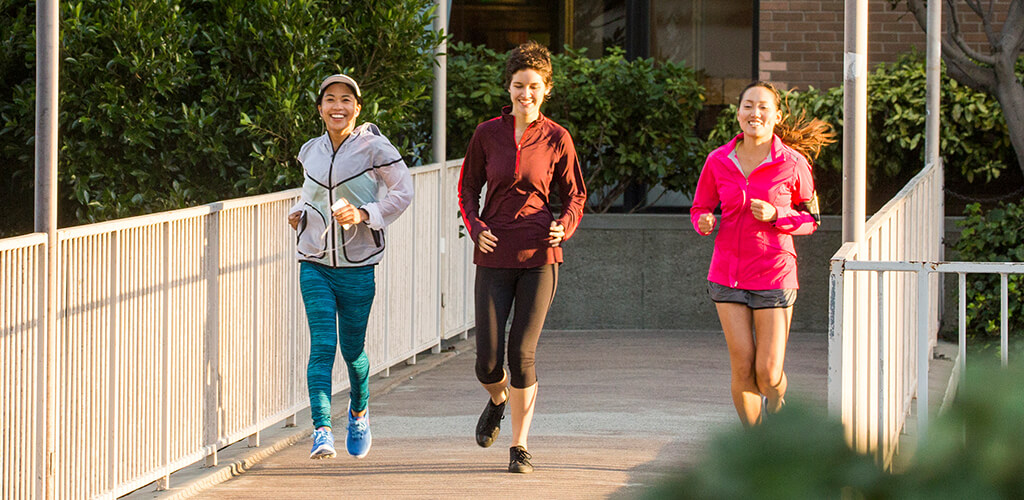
(527, 91)
(758, 113)
(339, 109)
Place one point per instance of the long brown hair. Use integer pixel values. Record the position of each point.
(806, 136)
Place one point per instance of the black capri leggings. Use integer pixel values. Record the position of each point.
(531, 291)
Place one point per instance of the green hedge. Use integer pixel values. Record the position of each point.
(631, 121)
(170, 103)
(975, 143)
(995, 235)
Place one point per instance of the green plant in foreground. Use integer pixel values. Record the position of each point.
(974, 450)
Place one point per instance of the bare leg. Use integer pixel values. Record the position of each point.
(522, 401)
(737, 324)
(772, 327)
(497, 390)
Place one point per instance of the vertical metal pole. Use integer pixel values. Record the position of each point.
(855, 95)
(47, 56)
(439, 142)
(933, 89)
(933, 85)
(439, 145)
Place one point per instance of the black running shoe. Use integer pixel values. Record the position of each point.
(489, 425)
(519, 460)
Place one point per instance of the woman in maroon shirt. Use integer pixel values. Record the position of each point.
(520, 156)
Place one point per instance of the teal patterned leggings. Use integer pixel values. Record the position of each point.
(338, 304)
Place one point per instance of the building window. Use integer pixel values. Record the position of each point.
(598, 25)
(715, 37)
(503, 24)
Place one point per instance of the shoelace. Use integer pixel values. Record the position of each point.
(357, 427)
(522, 455)
(320, 437)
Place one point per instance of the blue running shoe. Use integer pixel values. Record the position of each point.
(359, 438)
(323, 445)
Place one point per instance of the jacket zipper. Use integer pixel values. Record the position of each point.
(739, 234)
(330, 201)
(519, 145)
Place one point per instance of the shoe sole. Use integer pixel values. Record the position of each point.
(318, 454)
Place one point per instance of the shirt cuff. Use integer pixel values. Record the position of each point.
(376, 220)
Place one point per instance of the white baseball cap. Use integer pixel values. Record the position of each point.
(340, 78)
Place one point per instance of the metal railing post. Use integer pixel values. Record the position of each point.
(835, 340)
(882, 384)
(211, 371)
(1004, 313)
(923, 353)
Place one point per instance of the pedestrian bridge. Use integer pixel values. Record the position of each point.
(177, 334)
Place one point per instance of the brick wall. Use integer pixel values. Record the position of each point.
(801, 42)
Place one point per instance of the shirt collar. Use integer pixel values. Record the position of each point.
(506, 116)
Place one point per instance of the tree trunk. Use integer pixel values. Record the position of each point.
(1010, 94)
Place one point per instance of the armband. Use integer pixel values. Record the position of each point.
(811, 206)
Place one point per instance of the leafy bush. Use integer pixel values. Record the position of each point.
(974, 141)
(993, 236)
(631, 121)
(974, 450)
(169, 103)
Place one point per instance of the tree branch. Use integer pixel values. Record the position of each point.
(960, 64)
(986, 21)
(957, 36)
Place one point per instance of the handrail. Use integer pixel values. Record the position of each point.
(883, 321)
(191, 321)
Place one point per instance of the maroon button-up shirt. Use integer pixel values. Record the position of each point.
(519, 178)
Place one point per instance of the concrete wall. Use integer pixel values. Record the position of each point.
(650, 271)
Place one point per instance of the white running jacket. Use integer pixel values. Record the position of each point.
(367, 171)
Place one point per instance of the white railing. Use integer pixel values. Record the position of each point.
(181, 332)
(883, 324)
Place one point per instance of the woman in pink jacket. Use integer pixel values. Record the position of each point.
(762, 179)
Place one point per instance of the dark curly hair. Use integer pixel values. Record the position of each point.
(529, 55)
(806, 135)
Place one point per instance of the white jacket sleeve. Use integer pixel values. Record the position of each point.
(297, 207)
(392, 170)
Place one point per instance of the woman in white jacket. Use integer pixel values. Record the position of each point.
(355, 184)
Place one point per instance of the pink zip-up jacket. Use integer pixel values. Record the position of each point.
(751, 254)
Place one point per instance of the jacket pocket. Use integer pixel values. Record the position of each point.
(311, 240)
(362, 243)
